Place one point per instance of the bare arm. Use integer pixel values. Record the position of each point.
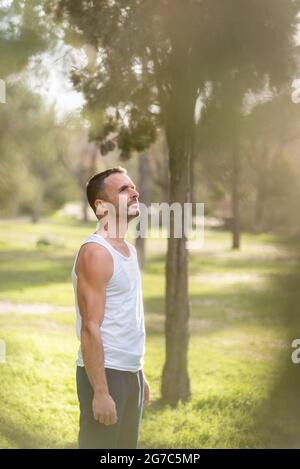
(94, 268)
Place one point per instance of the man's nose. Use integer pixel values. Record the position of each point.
(135, 194)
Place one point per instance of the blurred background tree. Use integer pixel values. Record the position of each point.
(32, 178)
(24, 31)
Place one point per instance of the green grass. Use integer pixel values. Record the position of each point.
(244, 312)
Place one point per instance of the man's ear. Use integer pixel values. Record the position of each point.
(101, 208)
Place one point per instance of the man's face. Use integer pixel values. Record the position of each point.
(121, 190)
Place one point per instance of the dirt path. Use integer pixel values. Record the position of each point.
(7, 307)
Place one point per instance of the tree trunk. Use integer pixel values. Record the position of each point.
(259, 202)
(143, 189)
(34, 216)
(235, 200)
(87, 169)
(84, 204)
(262, 172)
(37, 206)
(175, 379)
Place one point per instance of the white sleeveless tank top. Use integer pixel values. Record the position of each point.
(122, 329)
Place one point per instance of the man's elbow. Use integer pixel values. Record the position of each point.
(89, 329)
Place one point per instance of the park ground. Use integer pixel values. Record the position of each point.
(244, 315)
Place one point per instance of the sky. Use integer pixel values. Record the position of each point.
(48, 75)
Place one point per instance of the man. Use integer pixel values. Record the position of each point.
(111, 385)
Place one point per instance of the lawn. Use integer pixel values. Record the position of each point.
(244, 314)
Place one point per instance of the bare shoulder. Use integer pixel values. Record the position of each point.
(94, 259)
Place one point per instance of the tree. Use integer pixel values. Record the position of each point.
(270, 127)
(32, 178)
(149, 62)
(24, 32)
(78, 156)
(238, 129)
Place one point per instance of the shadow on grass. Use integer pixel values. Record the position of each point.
(19, 437)
(156, 406)
(33, 268)
(279, 414)
(211, 261)
(229, 306)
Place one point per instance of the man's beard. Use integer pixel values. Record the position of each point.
(131, 216)
(133, 210)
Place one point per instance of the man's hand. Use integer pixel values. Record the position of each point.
(104, 408)
(146, 392)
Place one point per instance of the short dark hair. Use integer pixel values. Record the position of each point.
(95, 185)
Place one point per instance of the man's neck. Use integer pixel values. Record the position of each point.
(117, 237)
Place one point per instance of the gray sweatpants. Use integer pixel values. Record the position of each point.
(127, 390)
